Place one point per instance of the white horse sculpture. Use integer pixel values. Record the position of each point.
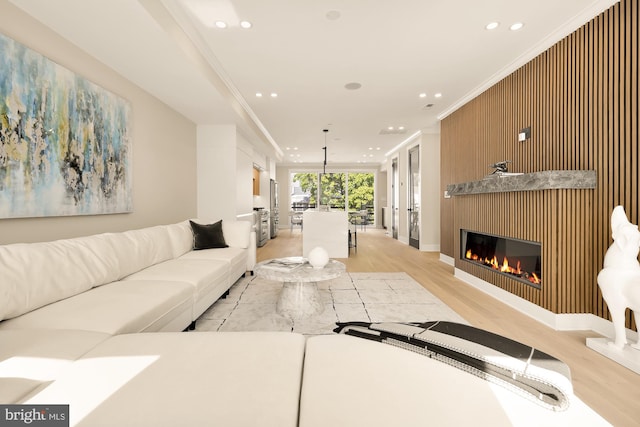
(619, 279)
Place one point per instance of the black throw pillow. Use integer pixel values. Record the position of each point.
(208, 236)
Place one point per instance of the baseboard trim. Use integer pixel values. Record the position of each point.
(447, 260)
(430, 248)
(558, 322)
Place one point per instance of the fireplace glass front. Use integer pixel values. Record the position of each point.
(518, 259)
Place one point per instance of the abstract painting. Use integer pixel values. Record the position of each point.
(65, 142)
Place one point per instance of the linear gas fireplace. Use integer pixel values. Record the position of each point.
(518, 259)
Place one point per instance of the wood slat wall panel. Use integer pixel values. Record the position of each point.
(580, 98)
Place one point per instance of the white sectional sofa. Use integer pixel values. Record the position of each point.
(145, 280)
(74, 312)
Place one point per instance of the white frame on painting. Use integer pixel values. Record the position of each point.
(65, 142)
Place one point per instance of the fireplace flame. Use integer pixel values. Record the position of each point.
(494, 262)
(505, 267)
(471, 256)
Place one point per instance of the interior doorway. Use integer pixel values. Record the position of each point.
(414, 197)
(395, 197)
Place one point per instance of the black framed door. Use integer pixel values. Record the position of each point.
(395, 197)
(414, 197)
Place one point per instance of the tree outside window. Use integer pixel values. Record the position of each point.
(360, 190)
(333, 190)
(308, 184)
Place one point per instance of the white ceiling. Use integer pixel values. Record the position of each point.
(394, 49)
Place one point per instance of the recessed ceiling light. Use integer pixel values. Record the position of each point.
(274, 95)
(221, 24)
(288, 148)
(492, 25)
(353, 86)
(370, 148)
(258, 94)
(333, 15)
(400, 127)
(246, 24)
(516, 26)
(423, 95)
(390, 128)
(378, 148)
(438, 95)
(295, 148)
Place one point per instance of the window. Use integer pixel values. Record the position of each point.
(353, 191)
(333, 190)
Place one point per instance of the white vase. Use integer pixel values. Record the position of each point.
(318, 257)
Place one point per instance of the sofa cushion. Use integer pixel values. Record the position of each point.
(351, 381)
(138, 249)
(236, 258)
(116, 308)
(189, 379)
(201, 274)
(519, 367)
(36, 274)
(33, 358)
(237, 233)
(181, 238)
(208, 236)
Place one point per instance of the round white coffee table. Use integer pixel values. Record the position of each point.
(299, 297)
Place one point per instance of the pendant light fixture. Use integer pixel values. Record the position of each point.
(324, 167)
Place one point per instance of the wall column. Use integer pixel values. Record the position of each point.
(216, 152)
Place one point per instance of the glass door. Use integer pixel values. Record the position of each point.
(360, 195)
(395, 197)
(414, 197)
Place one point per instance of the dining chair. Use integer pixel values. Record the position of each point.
(296, 219)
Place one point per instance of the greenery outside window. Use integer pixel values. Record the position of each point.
(353, 191)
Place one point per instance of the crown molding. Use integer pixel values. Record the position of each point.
(174, 20)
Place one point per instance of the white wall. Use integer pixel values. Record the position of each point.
(217, 172)
(244, 176)
(430, 189)
(225, 174)
(163, 142)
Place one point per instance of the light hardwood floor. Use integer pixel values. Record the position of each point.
(610, 389)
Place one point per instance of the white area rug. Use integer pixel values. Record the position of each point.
(365, 297)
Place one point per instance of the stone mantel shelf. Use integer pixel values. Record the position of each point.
(545, 180)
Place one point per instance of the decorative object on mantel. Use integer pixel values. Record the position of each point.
(501, 170)
(619, 281)
(500, 167)
(65, 146)
(545, 180)
(318, 257)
